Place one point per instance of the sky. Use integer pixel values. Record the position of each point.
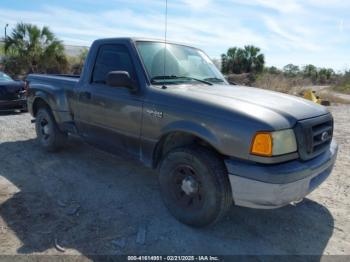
(291, 31)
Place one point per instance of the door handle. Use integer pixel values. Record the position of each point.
(86, 95)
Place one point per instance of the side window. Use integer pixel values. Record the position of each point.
(112, 58)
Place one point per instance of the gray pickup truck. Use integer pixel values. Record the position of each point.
(214, 144)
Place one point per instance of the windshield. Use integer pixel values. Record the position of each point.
(4, 77)
(182, 64)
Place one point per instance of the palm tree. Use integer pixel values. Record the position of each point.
(30, 49)
(254, 60)
(246, 60)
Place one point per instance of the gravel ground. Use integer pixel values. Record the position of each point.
(90, 202)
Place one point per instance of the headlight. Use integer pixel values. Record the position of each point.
(274, 143)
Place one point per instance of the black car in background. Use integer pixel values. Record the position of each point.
(12, 94)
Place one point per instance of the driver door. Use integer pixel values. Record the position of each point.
(111, 116)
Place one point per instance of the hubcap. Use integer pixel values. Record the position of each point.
(46, 130)
(187, 189)
(189, 185)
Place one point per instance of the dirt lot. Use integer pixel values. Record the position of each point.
(91, 202)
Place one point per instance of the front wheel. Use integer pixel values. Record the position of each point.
(195, 185)
(50, 137)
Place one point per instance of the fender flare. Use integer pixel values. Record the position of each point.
(40, 95)
(59, 115)
(185, 127)
(193, 129)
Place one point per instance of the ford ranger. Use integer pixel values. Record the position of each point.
(167, 105)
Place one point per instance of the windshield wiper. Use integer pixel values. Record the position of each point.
(179, 77)
(213, 79)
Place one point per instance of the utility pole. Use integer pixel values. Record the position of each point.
(6, 31)
(5, 36)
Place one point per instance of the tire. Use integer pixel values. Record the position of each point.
(50, 137)
(195, 186)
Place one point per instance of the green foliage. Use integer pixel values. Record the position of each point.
(343, 83)
(310, 71)
(250, 61)
(316, 75)
(30, 49)
(77, 62)
(242, 60)
(83, 54)
(246, 66)
(272, 70)
(2, 50)
(325, 75)
(291, 70)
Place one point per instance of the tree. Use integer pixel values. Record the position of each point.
(255, 60)
(243, 60)
(291, 70)
(217, 63)
(272, 70)
(224, 64)
(30, 49)
(347, 73)
(310, 71)
(78, 62)
(325, 75)
(2, 49)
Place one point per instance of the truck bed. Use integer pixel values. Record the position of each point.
(59, 80)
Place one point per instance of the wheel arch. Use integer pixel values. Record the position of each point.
(183, 134)
(39, 102)
(48, 100)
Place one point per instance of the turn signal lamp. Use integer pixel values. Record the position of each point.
(262, 144)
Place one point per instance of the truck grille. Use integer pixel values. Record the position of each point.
(314, 136)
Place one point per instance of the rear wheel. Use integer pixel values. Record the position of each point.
(50, 137)
(195, 185)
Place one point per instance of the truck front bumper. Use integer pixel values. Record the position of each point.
(271, 186)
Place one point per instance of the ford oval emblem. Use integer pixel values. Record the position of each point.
(324, 136)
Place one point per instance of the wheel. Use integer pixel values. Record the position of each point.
(50, 137)
(195, 186)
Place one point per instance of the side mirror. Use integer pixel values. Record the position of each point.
(120, 79)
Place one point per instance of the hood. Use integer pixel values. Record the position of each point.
(280, 110)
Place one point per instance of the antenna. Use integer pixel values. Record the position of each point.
(165, 37)
(166, 20)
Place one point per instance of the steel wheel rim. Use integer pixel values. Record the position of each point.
(187, 188)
